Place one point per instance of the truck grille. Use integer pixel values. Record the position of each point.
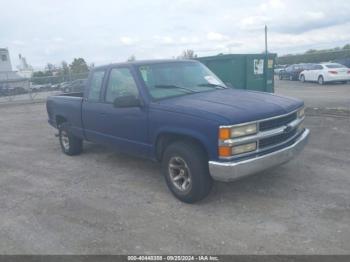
(277, 122)
(275, 140)
(272, 134)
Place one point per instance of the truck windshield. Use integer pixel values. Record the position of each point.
(164, 80)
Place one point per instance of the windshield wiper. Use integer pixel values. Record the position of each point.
(213, 85)
(175, 86)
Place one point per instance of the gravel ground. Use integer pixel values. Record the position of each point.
(105, 202)
(332, 95)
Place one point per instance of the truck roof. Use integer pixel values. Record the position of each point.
(142, 62)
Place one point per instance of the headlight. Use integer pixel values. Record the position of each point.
(238, 131)
(227, 151)
(236, 150)
(301, 113)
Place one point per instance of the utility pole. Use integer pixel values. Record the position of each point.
(266, 58)
(266, 40)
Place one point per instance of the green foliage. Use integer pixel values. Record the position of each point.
(78, 66)
(346, 46)
(78, 69)
(316, 56)
(188, 54)
(41, 77)
(131, 58)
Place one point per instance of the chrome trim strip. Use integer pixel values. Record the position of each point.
(229, 171)
(262, 120)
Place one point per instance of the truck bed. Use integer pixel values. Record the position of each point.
(66, 107)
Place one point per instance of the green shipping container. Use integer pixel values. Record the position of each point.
(244, 71)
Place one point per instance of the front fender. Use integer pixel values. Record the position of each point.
(209, 144)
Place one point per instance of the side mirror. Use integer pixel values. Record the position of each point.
(127, 101)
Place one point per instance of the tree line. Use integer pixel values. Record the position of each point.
(53, 74)
(316, 56)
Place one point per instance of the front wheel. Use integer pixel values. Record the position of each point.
(185, 168)
(320, 80)
(302, 78)
(70, 144)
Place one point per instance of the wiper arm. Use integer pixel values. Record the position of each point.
(213, 85)
(175, 86)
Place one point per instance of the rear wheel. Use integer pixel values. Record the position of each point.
(70, 144)
(291, 78)
(185, 168)
(280, 77)
(302, 78)
(320, 80)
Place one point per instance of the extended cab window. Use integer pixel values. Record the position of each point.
(121, 83)
(95, 86)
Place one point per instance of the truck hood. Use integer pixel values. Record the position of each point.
(230, 106)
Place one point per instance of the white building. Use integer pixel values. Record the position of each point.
(10, 79)
(5, 62)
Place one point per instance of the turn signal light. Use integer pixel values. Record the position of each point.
(224, 151)
(224, 133)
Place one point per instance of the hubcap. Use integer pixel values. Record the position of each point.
(65, 140)
(180, 174)
(320, 81)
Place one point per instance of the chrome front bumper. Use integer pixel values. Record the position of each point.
(229, 171)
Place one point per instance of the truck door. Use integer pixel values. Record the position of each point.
(91, 105)
(124, 128)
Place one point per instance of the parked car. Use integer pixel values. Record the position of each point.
(278, 68)
(179, 113)
(292, 72)
(326, 72)
(74, 86)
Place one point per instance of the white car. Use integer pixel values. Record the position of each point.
(326, 72)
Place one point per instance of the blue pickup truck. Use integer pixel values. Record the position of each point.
(179, 113)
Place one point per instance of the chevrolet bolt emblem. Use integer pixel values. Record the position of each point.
(288, 129)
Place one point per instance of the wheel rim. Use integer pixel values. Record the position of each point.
(320, 80)
(180, 174)
(65, 140)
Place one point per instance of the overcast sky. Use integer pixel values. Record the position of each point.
(104, 31)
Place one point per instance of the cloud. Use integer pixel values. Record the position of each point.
(126, 40)
(164, 40)
(213, 36)
(18, 43)
(157, 28)
(254, 22)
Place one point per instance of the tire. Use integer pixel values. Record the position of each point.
(280, 77)
(320, 80)
(302, 78)
(186, 172)
(67, 90)
(291, 78)
(70, 144)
